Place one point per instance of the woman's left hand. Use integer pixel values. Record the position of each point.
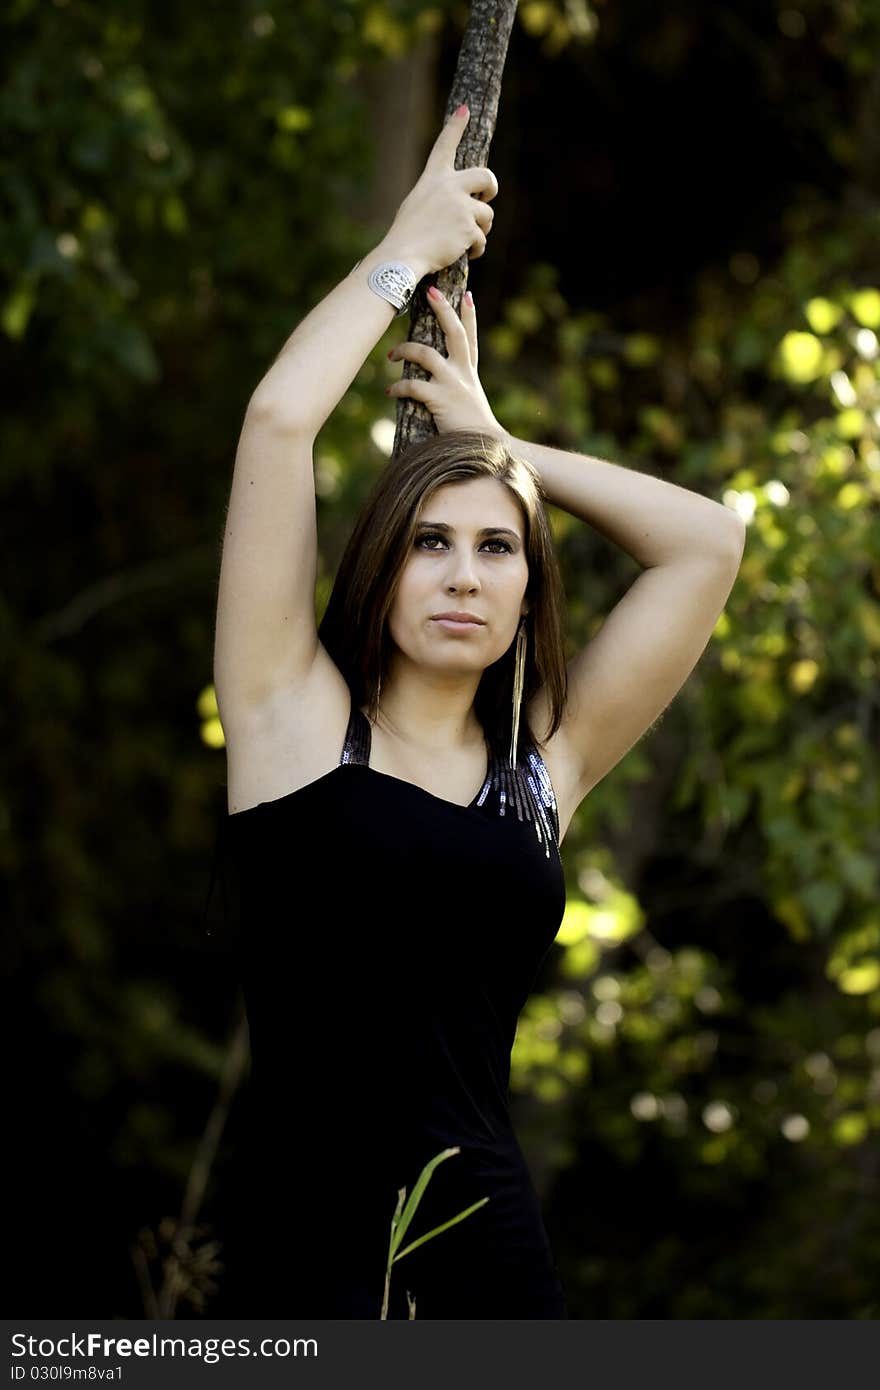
(454, 394)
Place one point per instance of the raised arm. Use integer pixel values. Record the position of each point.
(266, 635)
(322, 356)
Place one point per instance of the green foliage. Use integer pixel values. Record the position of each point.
(777, 766)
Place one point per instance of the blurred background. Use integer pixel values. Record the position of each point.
(682, 277)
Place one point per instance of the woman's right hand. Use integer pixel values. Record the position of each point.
(440, 219)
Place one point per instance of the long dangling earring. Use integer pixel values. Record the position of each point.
(519, 675)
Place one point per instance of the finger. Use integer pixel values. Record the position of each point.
(479, 181)
(446, 144)
(410, 386)
(469, 319)
(479, 243)
(422, 353)
(453, 328)
(484, 216)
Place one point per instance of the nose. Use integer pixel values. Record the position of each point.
(462, 572)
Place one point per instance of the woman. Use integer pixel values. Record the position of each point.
(399, 784)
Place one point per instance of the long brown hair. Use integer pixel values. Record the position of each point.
(354, 625)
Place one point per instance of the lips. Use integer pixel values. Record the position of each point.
(462, 618)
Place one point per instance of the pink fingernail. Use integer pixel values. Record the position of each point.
(469, 297)
(433, 292)
(462, 110)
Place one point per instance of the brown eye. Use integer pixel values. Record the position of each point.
(506, 548)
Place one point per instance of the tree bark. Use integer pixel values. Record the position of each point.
(477, 81)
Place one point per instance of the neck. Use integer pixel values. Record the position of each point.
(430, 711)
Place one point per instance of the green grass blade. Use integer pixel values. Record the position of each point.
(400, 1227)
(437, 1229)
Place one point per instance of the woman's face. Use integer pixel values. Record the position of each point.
(452, 567)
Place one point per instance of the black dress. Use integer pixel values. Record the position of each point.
(386, 940)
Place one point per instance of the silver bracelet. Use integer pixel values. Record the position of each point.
(394, 281)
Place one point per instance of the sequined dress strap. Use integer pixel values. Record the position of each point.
(356, 748)
(527, 791)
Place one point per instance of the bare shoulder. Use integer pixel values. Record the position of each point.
(561, 761)
(290, 738)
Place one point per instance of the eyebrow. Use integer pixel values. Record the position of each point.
(486, 530)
